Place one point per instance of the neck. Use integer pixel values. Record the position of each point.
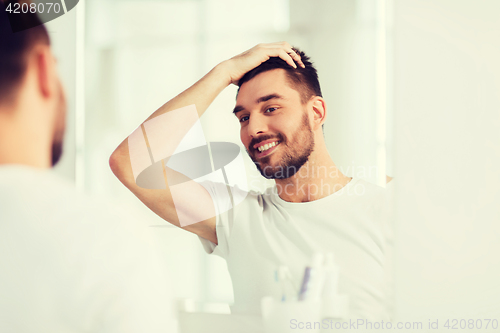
(22, 142)
(319, 177)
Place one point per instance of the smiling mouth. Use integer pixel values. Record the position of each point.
(267, 149)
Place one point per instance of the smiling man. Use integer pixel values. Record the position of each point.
(313, 207)
(282, 112)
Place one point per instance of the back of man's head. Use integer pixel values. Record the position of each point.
(304, 80)
(15, 48)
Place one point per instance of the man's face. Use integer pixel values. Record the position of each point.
(275, 126)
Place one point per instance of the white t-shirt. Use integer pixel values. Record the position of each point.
(264, 232)
(69, 264)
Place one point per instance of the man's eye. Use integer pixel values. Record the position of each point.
(243, 119)
(271, 109)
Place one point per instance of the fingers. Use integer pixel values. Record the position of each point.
(296, 58)
(287, 53)
(287, 57)
(291, 52)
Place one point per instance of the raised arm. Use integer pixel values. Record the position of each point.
(201, 95)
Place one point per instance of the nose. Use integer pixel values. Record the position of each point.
(256, 125)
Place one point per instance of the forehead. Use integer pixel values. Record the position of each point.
(271, 82)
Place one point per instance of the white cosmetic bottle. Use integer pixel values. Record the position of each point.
(335, 306)
(313, 280)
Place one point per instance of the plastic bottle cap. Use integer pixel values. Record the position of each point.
(317, 260)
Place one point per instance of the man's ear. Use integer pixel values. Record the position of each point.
(318, 106)
(43, 64)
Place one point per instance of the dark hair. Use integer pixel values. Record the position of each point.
(15, 46)
(304, 80)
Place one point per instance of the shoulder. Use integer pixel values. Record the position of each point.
(87, 245)
(367, 188)
(44, 203)
(31, 181)
(222, 194)
(369, 197)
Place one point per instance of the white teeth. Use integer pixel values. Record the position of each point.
(267, 146)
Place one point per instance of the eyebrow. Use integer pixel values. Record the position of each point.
(266, 98)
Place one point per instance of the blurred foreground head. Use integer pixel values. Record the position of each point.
(32, 101)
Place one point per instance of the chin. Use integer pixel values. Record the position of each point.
(277, 171)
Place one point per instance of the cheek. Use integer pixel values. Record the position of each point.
(244, 137)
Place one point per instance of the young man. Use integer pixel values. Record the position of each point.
(69, 264)
(313, 207)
